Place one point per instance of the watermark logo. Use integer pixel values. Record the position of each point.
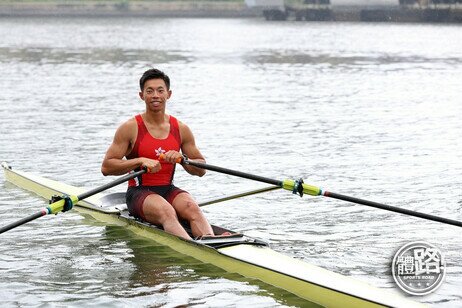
(419, 268)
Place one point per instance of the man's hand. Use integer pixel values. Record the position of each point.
(151, 165)
(172, 157)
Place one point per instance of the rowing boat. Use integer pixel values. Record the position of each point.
(247, 256)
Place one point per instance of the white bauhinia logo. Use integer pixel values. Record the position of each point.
(159, 151)
(418, 268)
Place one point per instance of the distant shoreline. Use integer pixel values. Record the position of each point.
(221, 9)
(127, 8)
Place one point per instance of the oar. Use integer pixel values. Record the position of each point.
(298, 187)
(66, 202)
(239, 195)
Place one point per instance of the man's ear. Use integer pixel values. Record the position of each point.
(141, 95)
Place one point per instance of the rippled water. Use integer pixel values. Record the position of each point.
(368, 110)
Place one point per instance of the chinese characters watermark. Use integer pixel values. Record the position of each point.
(419, 268)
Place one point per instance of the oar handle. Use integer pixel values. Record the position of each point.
(179, 160)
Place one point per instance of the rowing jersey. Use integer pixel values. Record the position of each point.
(148, 146)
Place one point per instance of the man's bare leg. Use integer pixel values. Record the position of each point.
(158, 211)
(189, 210)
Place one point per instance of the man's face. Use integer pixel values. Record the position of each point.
(155, 94)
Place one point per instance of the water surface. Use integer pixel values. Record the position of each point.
(368, 110)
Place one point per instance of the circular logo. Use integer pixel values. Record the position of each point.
(418, 268)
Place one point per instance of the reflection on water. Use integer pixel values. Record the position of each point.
(368, 110)
(118, 56)
(89, 55)
(160, 271)
(294, 57)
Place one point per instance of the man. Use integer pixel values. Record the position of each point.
(142, 140)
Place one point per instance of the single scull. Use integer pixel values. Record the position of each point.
(240, 254)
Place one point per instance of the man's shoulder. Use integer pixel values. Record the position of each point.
(181, 125)
(129, 126)
(185, 132)
(129, 123)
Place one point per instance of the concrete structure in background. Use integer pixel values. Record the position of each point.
(361, 10)
(308, 10)
(119, 8)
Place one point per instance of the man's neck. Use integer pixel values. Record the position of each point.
(156, 118)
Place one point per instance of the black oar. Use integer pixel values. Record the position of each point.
(65, 203)
(298, 187)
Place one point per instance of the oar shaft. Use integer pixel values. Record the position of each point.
(114, 183)
(57, 206)
(233, 172)
(23, 221)
(392, 208)
(315, 191)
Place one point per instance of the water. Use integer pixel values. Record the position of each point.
(367, 110)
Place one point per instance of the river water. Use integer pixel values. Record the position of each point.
(367, 110)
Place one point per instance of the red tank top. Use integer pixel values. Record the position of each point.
(148, 146)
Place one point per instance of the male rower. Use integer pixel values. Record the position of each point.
(153, 140)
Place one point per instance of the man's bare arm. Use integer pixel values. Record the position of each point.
(189, 148)
(114, 162)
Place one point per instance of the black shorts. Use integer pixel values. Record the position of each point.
(136, 195)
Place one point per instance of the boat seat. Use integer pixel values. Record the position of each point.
(114, 200)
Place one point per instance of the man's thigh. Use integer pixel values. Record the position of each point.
(156, 209)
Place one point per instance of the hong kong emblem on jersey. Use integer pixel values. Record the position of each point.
(159, 151)
(418, 268)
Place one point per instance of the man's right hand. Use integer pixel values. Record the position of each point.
(151, 165)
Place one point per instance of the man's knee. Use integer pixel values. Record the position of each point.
(191, 211)
(167, 213)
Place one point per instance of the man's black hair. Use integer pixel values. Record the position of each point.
(154, 73)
